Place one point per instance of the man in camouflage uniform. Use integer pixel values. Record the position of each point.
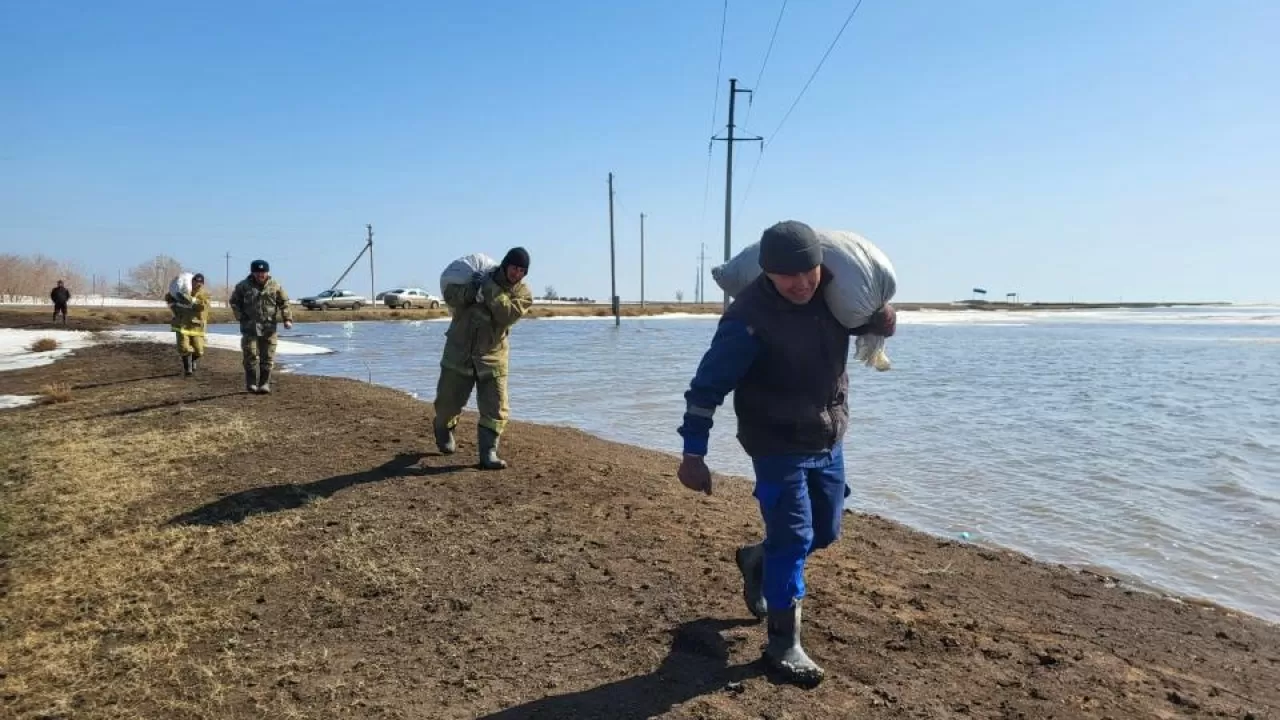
(258, 303)
(476, 353)
(190, 318)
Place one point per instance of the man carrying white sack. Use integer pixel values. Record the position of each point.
(784, 356)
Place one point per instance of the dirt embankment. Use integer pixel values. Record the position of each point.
(177, 549)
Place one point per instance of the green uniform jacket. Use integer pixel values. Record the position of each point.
(259, 308)
(476, 342)
(190, 319)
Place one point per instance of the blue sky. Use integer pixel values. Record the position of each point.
(1092, 150)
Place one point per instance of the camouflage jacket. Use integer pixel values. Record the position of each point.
(189, 318)
(259, 308)
(476, 341)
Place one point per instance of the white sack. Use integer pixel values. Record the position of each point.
(180, 287)
(862, 282)
(459, 271)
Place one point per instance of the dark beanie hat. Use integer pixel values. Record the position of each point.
(197, 276)
(517, 256)
(790, 247)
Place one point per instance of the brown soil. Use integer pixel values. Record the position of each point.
(177, 549)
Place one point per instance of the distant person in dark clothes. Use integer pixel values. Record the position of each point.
(60, 297)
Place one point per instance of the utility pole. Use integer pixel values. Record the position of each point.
(702, 275)
(227, 283)
(373, 290)
(728, 171)
(641, 259)
(613, 268)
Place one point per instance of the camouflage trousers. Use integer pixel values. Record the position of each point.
(258, 351)
(190, 344)
(454, 390)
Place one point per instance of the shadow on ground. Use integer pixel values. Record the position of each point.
(697, 664)
(237, 507)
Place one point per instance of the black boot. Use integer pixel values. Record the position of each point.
(783, 650)
(186, 366)
(489, 459)
(264, 380)
(444, 438)
(195, 363)
(750, 559)
(250, 380)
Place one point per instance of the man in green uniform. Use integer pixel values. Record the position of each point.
(258, 303)
(190, 318)
(476, 353)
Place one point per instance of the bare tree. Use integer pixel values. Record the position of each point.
(151, 279)
(550, 293)
(679, 296)
(31, 278)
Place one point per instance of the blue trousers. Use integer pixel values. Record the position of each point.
(801, 500)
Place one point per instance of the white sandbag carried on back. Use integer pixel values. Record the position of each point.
(180, 287)
(460, 271)
(862, 282)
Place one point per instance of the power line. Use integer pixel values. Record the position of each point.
(774, 135)
(765, 63)
(715, 108)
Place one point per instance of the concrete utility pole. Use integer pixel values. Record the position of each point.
(227, 284)
(728, 172)
(613, 266)
(373, 290)
(641, 259)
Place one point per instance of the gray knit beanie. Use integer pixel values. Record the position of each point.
(790, 247)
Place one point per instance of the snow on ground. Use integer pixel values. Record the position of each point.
(15, 344)
(15, 401)
(93, 301)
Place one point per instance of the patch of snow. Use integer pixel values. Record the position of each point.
(15, 344)
(8, 402)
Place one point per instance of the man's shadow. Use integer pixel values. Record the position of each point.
(235, 508)
(696, 664)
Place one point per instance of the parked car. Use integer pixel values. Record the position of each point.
(335, 300)
(410, 297)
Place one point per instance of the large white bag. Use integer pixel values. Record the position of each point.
(180, 287)
(460, 271)
(862, 282)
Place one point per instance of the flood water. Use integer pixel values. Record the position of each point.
(1144, 442)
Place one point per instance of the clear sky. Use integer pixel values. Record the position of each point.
(1095, 150)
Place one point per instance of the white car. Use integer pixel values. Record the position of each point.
(410, 297)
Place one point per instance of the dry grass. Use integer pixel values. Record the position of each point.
(44, 345)
(106, 602)
(54, 393)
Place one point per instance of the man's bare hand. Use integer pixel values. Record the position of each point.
(288, 324)
(694, 474)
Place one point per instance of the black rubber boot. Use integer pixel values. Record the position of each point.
(186, 366)
(750, 559)
(783, 650)
(264, 380)
(250, 380)
(195, 363)
(444, 438)
(489, 459)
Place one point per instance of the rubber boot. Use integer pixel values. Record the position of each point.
(264, 380)
(186, 366)
(444, 438)
(783, 650)
(750, 559)
(195, 363)
(489, 459)
(250, 380)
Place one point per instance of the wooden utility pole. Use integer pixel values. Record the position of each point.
(641, 259)
(728, 172)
